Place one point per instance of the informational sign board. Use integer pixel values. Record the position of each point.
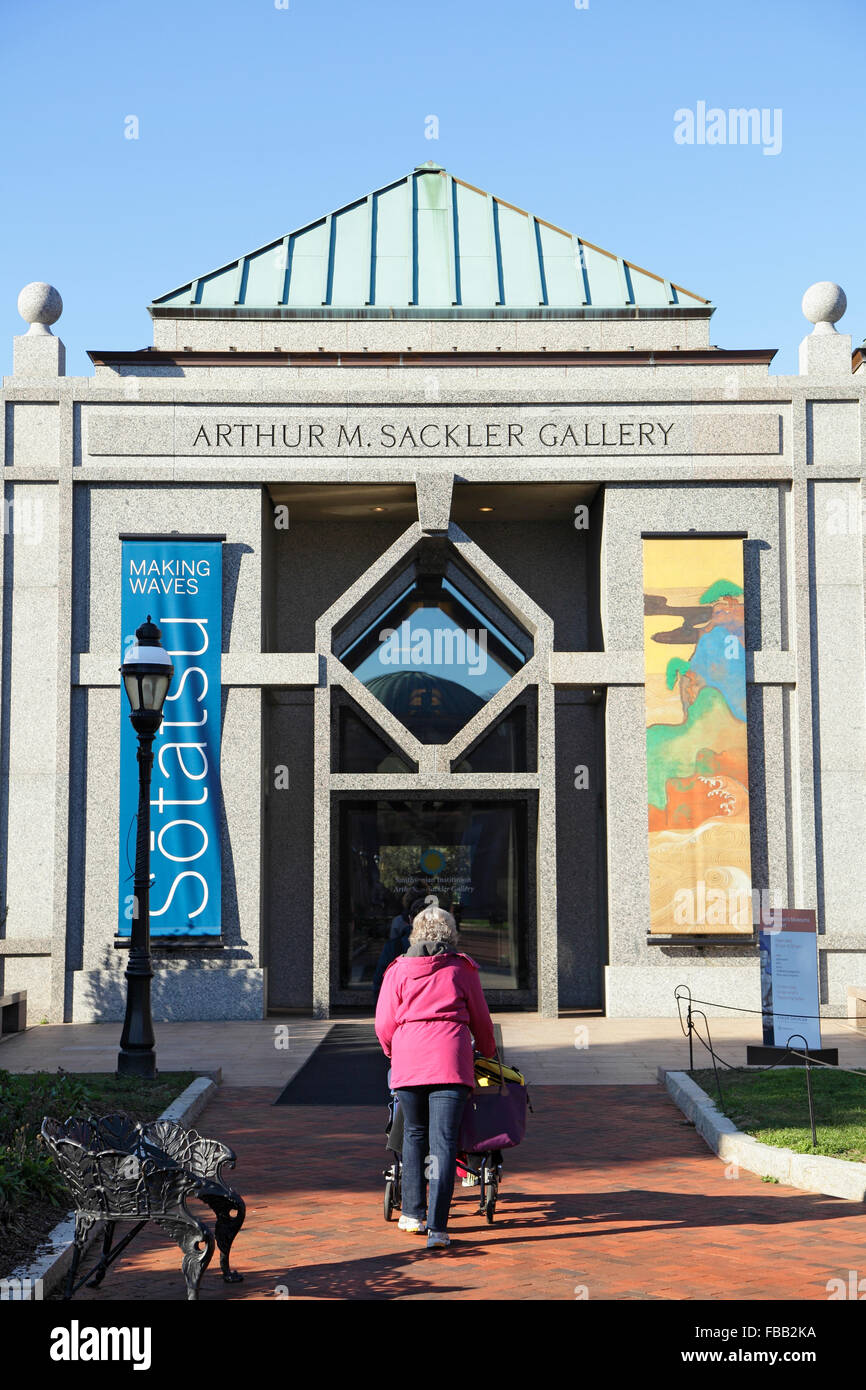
(179, 583)
(789, 979)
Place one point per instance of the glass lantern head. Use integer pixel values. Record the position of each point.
(146, 673)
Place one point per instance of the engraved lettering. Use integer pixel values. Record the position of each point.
(352, 440)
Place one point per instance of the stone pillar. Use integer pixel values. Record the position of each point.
(835, 573)
(35, 551)
(37, 354)
(825, 352)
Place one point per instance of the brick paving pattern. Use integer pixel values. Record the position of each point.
(612, 1190)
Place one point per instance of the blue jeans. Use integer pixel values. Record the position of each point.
(431, 1124)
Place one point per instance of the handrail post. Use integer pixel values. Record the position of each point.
(811, 1101)
(808, 1086)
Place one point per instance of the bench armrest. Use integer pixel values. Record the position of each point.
(204, 1157)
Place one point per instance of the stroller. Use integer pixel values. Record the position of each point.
(494, 1119)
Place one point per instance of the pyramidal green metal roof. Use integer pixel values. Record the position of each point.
(428, 241)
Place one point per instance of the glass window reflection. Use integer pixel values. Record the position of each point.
(433, 659)
(469, 854)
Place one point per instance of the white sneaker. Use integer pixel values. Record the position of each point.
(438, 1240)
(412, 1225)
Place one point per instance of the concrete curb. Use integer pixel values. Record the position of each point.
(50, 1266)
(191, 1102)
(834, 1177)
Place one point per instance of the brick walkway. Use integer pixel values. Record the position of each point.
(612, 1190)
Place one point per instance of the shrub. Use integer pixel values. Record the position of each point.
(26, 1171)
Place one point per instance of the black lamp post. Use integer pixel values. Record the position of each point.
(146, 673)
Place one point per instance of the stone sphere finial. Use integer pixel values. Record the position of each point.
(39, 305)
(823, 304)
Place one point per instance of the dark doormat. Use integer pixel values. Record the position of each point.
(348, 1068)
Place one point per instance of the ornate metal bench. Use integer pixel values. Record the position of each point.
(121, 1171)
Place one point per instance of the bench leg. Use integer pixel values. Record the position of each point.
(73, 1270)
(83, 1225)
(100, 1271)
(226, 1228)
(197, 1243)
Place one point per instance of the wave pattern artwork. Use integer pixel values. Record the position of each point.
(696, 738)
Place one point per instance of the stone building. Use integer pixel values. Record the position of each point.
(429, 434)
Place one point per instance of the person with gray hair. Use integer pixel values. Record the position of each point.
(431, 1006)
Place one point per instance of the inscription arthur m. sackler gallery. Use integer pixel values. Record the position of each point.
(567, 435)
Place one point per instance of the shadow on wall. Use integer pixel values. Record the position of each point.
(231, 914)
(232, 554)
(186, 987)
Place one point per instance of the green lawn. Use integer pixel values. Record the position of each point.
(28, 1176)
(773, 1107)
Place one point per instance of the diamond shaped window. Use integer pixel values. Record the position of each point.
(432, 657)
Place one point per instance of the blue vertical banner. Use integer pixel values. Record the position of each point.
(179, 583)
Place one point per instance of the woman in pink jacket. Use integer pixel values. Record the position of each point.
(430, 1008)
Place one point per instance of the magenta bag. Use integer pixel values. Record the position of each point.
(494, 1118)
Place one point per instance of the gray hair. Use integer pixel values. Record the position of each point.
(433, 923)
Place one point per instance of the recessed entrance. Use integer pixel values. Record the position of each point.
(471, 854)
(427, 732)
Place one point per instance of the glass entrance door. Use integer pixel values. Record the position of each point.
(470, 854)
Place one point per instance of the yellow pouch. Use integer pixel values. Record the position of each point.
(488, 1073)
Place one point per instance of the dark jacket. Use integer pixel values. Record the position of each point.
(395, 946)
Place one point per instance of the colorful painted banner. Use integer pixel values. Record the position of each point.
(697, 767)
(179, 583)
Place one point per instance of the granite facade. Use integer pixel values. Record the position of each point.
(314, 529)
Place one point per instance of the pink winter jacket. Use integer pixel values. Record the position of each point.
(427, 1007)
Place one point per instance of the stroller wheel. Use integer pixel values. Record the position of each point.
(491, 1192)
(390, 1184)
(490, 1205)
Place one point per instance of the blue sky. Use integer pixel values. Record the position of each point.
(254, 120)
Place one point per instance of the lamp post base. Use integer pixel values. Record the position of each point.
(141, 1064)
